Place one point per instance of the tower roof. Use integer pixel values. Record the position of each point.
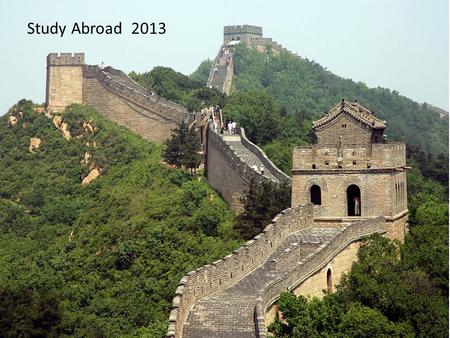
(355, 110)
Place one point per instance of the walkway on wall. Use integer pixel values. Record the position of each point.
(235, 143)
(221, 71)
(230, 313)
(251, 156)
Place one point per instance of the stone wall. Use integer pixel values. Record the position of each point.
(312, 264)
(112, 93)
(229, 174)
(221, 75)
(225, 272)
(225, 171)
(64, 80)
(227, 85)
(376, 186)
(268, 164)
(150, 126)
(339, 265)
(343, 126)
(244, 33)
(354, 156)
(267, 42)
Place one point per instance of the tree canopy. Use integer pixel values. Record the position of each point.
(101, 259)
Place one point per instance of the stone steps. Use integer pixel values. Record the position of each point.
(229, 313)
(248, 156)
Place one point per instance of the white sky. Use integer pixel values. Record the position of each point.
(401, 44)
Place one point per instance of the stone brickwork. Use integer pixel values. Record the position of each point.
(338, 266)
(232, 160)
(64, 80)
(252, 36)
(230, 297)
(244, 33)
(351, 153)
(224, 273)
(113, 94)
(221, 72)
(231, 163)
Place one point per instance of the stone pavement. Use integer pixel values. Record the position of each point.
(234, 141)
(229, 313)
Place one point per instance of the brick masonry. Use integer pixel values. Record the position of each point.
(113, 94)
(351, 151)
(64, 80)
(231, 163)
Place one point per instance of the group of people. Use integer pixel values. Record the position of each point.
(231, 126)
(261, 169)
(215, 115)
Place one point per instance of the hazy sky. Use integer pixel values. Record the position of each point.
(398, 44)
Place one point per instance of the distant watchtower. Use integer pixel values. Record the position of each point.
(352, 173)
(64, 80)
(244, 33)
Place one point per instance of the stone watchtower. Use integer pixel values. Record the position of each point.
(244, 33)
(352, 173)
(64, 80)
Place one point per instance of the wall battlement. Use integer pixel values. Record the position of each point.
(235, 29)
(65, 59)
(227, 272)
(231, 166)
(389, 155)
(244, 33)
(223, 273)
(268, 164)
(113, 94)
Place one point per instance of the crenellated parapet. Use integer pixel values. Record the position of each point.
(65, 59)
(225, 272)
(257, 30)
(120, 84)
(242, 33)
(310, 264)
(268, 164)
(238, 162)
(113, 94)
(288, 252)
(368, 157)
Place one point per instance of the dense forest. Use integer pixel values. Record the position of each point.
(101, 259)
(277, 95)
(302, 86)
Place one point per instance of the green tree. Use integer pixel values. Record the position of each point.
(182, 149)
(191, 157)
(262, 202)
(175, 146)
(27, 313)
(257, 112)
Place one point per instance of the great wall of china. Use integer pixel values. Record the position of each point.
(307, 247)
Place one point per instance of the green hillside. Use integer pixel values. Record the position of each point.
(299, 85)
(101, 259)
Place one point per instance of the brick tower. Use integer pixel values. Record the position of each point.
(243, 33)
(64, 80)
(352, 173)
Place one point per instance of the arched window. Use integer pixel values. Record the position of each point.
(315, 195)
(329, 281)
(353, 200)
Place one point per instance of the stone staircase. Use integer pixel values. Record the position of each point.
(235, 143)
(230, 313)
(219, 77)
